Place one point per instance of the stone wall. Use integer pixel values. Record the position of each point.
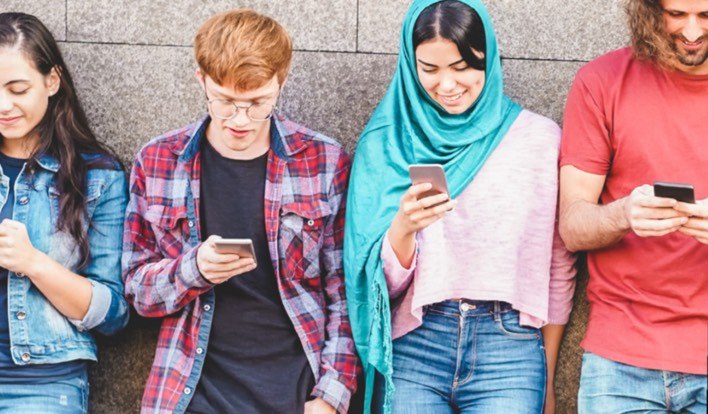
(133, 65)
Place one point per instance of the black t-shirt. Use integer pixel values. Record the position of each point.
(254, 362)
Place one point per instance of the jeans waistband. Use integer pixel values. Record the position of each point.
(470, 307)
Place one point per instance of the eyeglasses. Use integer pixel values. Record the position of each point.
(256, 112)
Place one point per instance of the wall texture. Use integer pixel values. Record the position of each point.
(133, 65)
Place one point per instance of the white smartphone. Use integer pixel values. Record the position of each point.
(429, 173)
(241, 247)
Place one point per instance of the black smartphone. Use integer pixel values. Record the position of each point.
(677, 191)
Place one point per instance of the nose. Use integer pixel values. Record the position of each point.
(447, 82)
(240, 118)
(693, 29)
(5, 103)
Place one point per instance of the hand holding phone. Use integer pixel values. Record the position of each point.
(241, 247)
(218, 260)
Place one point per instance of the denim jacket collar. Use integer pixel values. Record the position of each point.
(48, 162)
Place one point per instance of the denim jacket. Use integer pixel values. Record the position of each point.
(39, 333)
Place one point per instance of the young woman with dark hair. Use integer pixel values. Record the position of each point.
(62, 198)
(448, 293)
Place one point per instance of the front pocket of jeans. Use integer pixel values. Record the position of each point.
(508, 324)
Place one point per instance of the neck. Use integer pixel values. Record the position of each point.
(19, 148)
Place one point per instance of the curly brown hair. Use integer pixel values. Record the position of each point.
(649, 38)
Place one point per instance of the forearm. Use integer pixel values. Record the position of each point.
(161, 287)
(67, 291)
(403, 244)
(552, 336)
(589, 226)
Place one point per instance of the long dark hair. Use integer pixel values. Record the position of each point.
(456, 22)
(64, 131)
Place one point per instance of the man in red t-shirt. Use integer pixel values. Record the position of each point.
(635, 116)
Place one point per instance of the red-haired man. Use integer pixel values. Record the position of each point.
(242, 334)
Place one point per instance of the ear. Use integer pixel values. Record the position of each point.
(53, 80)
(200, 77)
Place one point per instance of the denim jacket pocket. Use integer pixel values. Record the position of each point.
(94, 189)
(301, 237)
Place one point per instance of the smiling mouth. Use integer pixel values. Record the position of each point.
(9, 120)
(451, 98)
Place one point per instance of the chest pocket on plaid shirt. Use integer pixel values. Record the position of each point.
(170, 227)
(301, 237)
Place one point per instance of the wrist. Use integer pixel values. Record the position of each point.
(36, 263)
(621, 207)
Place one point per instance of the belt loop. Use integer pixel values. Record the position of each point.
(497, 311)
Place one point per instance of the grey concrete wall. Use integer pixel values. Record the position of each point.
(132, 62)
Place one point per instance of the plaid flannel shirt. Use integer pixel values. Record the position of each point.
(305, 192)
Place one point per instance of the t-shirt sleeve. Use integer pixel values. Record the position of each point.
(586, 142)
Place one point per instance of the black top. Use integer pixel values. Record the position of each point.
(254, 362)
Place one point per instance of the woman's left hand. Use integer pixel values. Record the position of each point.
(17, 254)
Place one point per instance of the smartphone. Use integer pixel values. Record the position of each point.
(429, 173)
(677, 191)
(241, 247)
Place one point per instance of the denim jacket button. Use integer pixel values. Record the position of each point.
(310, 222)
(200, 351)
(207, 307)
(24, 200)
(25, 357)
(190, 223)
(187, 390)
(20, 274)
(21, 315)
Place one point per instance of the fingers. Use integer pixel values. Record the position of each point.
(700, 235)
(436, 212)
(412, 206)
(415, 190)
(699, 209)
(654, 228)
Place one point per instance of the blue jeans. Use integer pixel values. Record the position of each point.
(611, 387)
(61, 397)
(469, 357)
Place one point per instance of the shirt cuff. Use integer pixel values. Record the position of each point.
(189, 270)
(397, 276)
(98, 307)
(333, 393)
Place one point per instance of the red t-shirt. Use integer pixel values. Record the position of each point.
(636, 124)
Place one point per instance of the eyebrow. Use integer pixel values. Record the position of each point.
(14, 81)
(435, 66)
(255, 98)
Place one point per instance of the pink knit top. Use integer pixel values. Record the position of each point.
(501, 241)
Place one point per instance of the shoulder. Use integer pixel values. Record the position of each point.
(607, 65)
(309, 143)
(539, 127)
(167, 145)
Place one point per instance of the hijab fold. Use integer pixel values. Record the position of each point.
(408, 127)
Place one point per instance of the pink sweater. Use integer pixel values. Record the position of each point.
(501, 241)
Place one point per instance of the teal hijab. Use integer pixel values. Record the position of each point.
(408, 127)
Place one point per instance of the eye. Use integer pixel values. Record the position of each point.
(424, 70)
(22, 92)
(462, 68)
(675, 13)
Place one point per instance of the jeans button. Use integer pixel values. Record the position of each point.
(207, 307)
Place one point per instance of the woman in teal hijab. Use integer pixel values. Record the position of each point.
(446, 105)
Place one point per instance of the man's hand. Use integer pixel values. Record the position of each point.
(650, 216)
(319, 406)
(218, 268)
(697, 224)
